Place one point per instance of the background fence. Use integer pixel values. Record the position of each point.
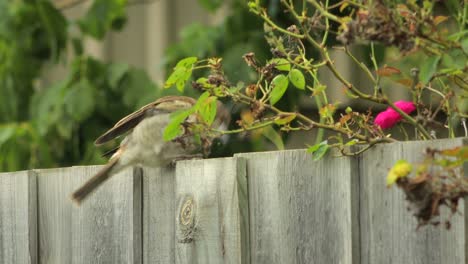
(270, 207)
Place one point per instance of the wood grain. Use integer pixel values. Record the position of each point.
(212, 211)
(158, 215)
(106, 228)
(388, 229)
(301, 211)
(18, 218)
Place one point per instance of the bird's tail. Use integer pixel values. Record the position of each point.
(94, 182)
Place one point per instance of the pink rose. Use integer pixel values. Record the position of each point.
(390, 117)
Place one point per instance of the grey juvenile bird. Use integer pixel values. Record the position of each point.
(144, 144)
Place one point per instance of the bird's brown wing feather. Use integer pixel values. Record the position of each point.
(91, 184)
(132, 120)
(110, 152)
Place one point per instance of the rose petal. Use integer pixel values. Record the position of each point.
(390, 117)
(406, 106)
(387, 119)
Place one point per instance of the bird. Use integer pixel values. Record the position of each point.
(144, 144)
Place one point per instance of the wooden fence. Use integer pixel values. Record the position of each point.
(270, 207)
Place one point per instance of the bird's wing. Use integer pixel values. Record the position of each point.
(162, 105)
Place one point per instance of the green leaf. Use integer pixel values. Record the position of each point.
(102, 16)
(65, 128)
(55, 26)
(318, 150)
(138, 88)
(352, 142)
(176, 76)
(428, 68)
(282, 120)
(208, 110)
(186, 63)
(456, 36)
(210, 5)
(182, 72)
(174, 128)
(77, 46)
(80, 100)
(201, 100)
(297, 78)
(47, 106)
(271, 134)
(181, 83)
(6, 132)
(464, 44)
(281, 64)
(279, 85)
(116, 71)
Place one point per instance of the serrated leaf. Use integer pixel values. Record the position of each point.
(279, 85)
(174, 128)
(297, 78)
(179, 77)
(208, 110)
(281, 64)
(282, 120)
(201, 100)
(187, 62)
(174, 77)
(202, 80)
(318, 150)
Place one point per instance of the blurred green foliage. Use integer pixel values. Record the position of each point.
(55, 125)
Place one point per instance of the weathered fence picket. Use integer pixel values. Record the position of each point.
(158, 215)
(388, 229)
(104, 229)
(269, 207)
(211, 212)
(18, 217)
(301, 210)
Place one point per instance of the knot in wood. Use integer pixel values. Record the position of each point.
(187, 212)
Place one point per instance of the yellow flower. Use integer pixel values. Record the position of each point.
(401, 169)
